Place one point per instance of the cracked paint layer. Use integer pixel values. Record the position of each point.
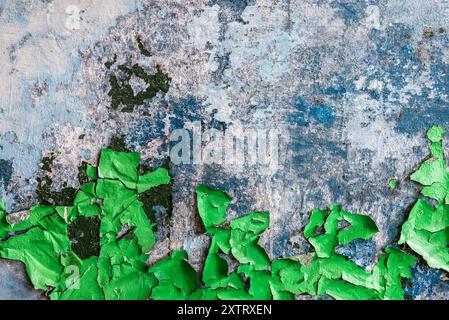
(426, 229)
(106, 234)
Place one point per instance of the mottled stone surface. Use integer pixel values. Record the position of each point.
(351, 85)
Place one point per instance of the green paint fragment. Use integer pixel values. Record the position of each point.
(212, 206)
(393, 183)
(38, 248)
(245, 234)
(122, 166)
(78, 280)
(342, 278)
(91, 172)
(325, 272)
(361, 227)
(432, 173)
(153, 179)
(176, 278)
(436, 133)
(135, 217)
(426, 230)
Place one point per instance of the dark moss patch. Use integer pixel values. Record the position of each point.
(118, 143)
(6, 171)
(109, 64)
(428, 33)
(142, 48)
(122, 93)
(47, 162)
(83, 178)
(46, 196)
(84, 233)
(158, 196)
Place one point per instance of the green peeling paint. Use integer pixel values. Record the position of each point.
(113, 266)
(361, 227)
(81, 251)
(323, 272)
(426, 230)
(393, 183)
(96, 247)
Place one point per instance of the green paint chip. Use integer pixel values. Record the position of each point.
(393, 183)
(212, 205)
(436, 133)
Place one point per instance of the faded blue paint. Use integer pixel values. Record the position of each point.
(417, 118)
(425, 281)
(323, 114)
(146, 129)
(235, 7)
(6, 171)
(361, 252)
(187, 110)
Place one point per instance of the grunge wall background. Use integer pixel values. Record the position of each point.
(352, 86)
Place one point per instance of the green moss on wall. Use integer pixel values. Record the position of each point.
(121, 92)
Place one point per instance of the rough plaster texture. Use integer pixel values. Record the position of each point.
(352, 86)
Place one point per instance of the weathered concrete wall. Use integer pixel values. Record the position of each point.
(350, 85)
